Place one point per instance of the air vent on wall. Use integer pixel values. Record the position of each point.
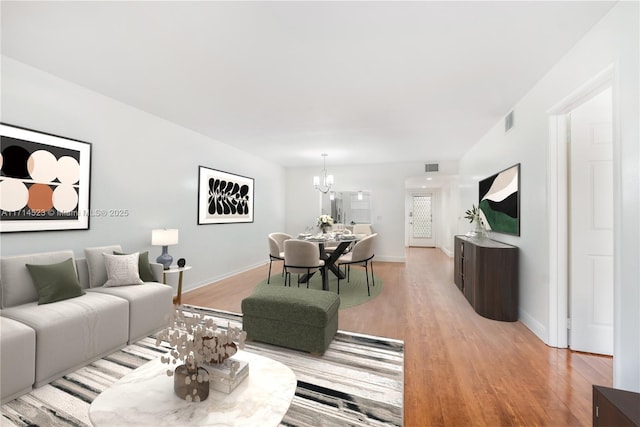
(431, 167)
(508, 122)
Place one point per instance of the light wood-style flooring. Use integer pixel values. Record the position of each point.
(460, 368)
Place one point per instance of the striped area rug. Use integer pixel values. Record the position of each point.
(358, 381)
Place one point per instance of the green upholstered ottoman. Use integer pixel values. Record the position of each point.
(298, 318)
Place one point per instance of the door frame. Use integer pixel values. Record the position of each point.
(558, 208)
(435, 214)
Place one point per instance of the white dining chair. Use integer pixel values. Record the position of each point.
(361, 255)
(362, 229)
(276, 249)
(301, 257)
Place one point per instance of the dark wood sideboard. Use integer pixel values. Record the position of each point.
(615, 408)
(486, 272)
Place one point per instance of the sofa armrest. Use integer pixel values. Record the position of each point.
(157, 270)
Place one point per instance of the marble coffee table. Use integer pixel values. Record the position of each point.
(145, 397)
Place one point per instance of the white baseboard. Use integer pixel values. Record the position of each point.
(534, 326)
(447, 252)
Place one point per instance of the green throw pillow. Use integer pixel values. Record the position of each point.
(144, 268)
(55, 282)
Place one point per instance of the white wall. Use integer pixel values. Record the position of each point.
(614, 40)
(450, 214)
(146, 165)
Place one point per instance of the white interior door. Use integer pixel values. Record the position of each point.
(421, 227)
(591, 226)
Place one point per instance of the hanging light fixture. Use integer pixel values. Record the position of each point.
(323, 182)
(359, 195)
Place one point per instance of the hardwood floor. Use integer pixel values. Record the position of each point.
(460, 368)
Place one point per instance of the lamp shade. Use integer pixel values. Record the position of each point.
(164, 237)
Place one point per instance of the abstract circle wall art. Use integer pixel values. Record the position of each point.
(44, 181)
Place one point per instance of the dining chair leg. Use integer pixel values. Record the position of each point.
(373, 278)
(288, 274)
(366, 273)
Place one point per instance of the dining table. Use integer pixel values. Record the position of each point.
(330, 258)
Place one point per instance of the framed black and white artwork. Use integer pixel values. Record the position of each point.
(44, 181)
(224, 197)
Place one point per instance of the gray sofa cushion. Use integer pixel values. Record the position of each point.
(95, 263)
(149, 306)
(74, 332)
(149, 303)
(17, 284)
(18, 355)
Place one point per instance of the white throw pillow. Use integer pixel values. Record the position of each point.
(122, 270)
(95, 264)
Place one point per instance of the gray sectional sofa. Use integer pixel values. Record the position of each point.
(42, 342)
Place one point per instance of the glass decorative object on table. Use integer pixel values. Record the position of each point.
(473, 215)
(191, 385)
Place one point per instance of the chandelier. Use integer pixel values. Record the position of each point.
(323, 182)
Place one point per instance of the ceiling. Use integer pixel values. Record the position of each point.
(365, 82)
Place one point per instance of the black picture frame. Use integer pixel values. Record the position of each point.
(45, 181)
(223, 197)
(499, 201)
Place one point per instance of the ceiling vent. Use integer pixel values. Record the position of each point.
(508, 122)
(431, 167)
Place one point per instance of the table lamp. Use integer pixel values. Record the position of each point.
(164, 237)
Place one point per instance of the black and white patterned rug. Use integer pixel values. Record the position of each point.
(358, 381)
